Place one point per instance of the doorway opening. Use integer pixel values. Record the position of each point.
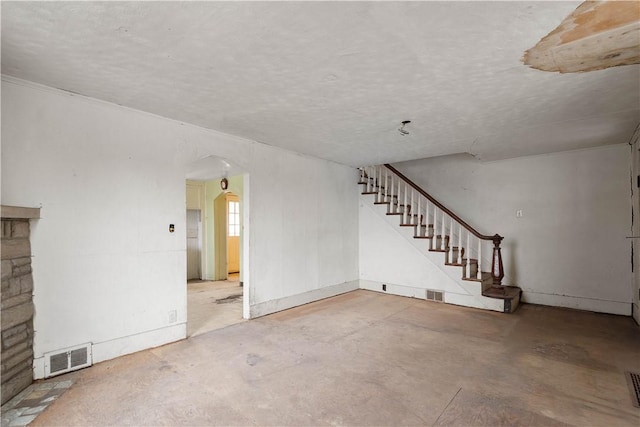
(215, 292)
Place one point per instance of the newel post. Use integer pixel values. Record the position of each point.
(497, 271)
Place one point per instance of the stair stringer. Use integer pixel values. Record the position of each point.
(420, 269)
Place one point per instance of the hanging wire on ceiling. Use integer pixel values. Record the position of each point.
(402, 130)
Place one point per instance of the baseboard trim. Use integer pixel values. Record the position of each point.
(580, 303)
(273, 306)
(454, 298)
(393, 289)
(125, 345)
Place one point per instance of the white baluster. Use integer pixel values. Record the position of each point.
(428, 220)
(379, 195)
(399, 199)
(459, 244)
(479, 259)
(442, 246)
(366, 178)
(392, 203)
(440, 230)
(375, 177)
(468, 276)
(386, 186)
(426, 213)
(451, 260)
(435, 227)
(419, 221)
(404, 211)
(368, 187)
(413, 218)
(426, 216)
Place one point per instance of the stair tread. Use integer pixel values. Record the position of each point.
(502, 292)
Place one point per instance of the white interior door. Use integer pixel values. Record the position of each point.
(194, 244)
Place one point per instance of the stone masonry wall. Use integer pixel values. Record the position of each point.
(17, 308)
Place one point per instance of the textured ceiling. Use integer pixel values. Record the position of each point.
(330, 79)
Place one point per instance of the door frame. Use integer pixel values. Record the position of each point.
(200, 239)
(220, 215)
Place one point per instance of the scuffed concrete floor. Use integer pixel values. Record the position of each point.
(213, 305)
(365, 358)
(28, 404)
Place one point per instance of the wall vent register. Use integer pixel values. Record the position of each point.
(67, 360)
(435, 295)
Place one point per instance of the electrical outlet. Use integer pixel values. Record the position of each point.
(519, 213)
(173, 316)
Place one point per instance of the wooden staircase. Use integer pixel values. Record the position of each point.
(461, 245)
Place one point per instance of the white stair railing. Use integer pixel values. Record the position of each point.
(421, 210)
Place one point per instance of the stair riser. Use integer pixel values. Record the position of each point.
(473, 266)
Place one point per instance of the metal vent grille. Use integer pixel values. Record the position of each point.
(435, 295)
(58, 363)
(633, 380)
(70, 359)
(78, 357)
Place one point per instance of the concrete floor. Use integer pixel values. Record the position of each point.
(213, 305)
(365, 358)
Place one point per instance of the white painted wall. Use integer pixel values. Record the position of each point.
(304, 227)
(110, 180)
(385, 256)
(569, 248)
(635, 230)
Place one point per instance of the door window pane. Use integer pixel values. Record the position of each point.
(234, 219)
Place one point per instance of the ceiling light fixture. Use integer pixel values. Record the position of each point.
(401, 128)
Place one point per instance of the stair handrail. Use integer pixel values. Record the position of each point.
(497, 270)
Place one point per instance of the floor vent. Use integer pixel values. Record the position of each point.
(67, 360)
(435, 295)
(633, 380)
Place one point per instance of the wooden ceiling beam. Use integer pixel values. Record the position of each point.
(597, 35)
